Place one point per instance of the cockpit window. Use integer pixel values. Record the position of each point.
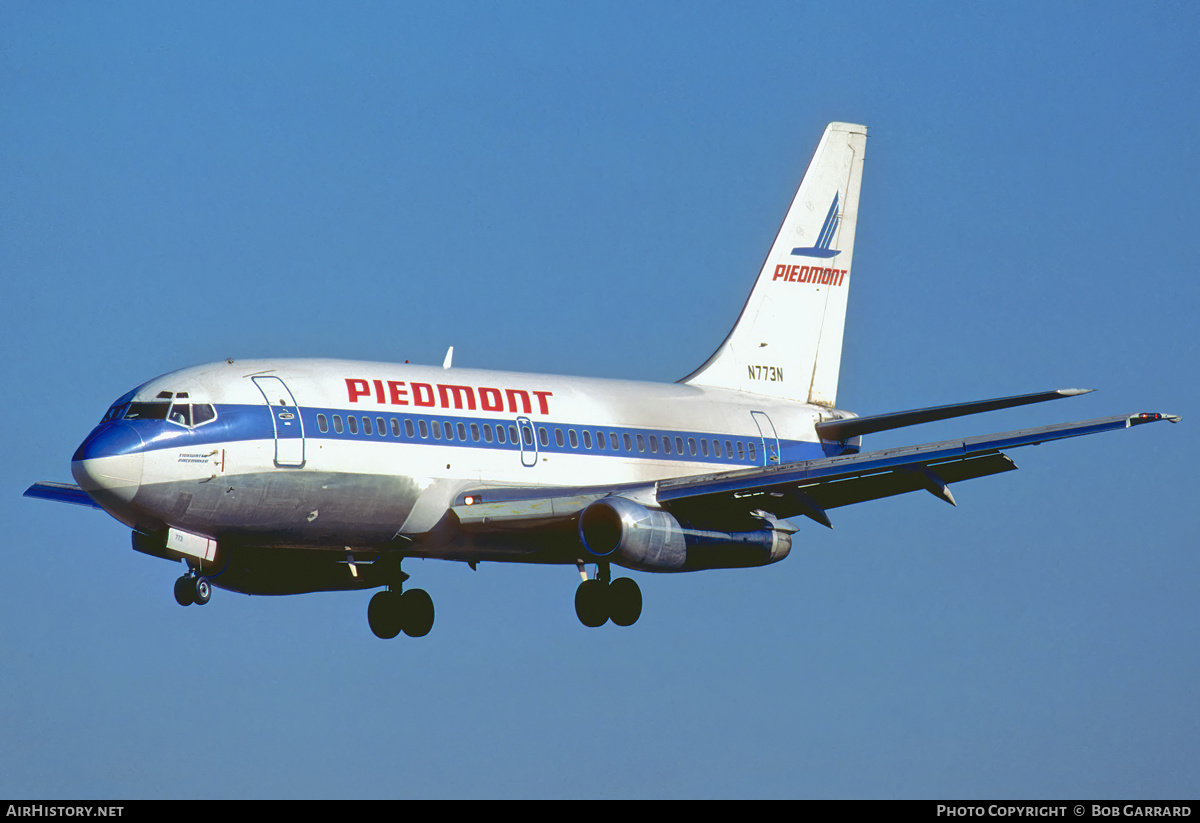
(147, 411)
(115, 412)
(183, 414)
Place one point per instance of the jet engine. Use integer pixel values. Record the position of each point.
(652, 540)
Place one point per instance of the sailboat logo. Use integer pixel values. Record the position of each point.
(828, 230)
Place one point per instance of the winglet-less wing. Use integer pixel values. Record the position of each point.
(812, 487)
(739, 499)
(61, 492)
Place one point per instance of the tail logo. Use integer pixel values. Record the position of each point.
(828, 230)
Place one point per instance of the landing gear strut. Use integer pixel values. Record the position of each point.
(192, 588)
(601, 599)
(393, 611)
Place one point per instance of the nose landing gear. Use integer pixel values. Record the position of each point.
(192, 588)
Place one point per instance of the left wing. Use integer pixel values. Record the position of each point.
(62, 492)
(738, 499)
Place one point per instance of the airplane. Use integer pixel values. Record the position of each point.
(293, 476)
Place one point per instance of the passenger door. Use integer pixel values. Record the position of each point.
(285, 417)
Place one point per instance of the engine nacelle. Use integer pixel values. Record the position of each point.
(633, 536)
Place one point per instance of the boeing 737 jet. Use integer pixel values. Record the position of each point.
(293, 476)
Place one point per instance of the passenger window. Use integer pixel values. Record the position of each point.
(641, 441)
(352, 422)
(729, 449)
(499, 434)
(679, 446)
(424, 426)
(629, 443)
(666, 445)
(614, 442)
(462, 432)
(750, 448)
(381, 426)
(337, 423)
(475, 432)
(741, 451)
(396, 428)
(408, 427)
(322, 423)
(692, 446)
(449, 430)
(512, 435)
(587, 438)
(437, 429)
(487, 432)
(544, 436)
(367, 425)
(654, 443)
(704, 447)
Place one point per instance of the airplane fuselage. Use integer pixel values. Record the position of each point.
(360, 456)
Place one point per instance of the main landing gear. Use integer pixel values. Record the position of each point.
(393, 611)
(192, 588)
(601, 599)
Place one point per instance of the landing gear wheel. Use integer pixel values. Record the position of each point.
(201, 590)
(185, 591)
(624, 601)
(384, 614)
(417, 608)
(591, 603)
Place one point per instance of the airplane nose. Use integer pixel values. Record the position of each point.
(108, 464)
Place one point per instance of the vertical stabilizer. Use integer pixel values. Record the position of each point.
(787, 342)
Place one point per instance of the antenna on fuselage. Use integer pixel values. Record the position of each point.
(449, 357)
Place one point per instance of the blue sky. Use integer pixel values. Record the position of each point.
(590, 189)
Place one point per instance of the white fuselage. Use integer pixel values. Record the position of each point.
(349, 454)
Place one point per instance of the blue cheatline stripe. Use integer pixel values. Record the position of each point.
(249, 422)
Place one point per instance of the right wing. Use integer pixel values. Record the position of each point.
(735, 500)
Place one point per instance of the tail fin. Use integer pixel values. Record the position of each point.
(787, 342)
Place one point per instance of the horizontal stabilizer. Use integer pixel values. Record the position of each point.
(61, 492)
(855, 426)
